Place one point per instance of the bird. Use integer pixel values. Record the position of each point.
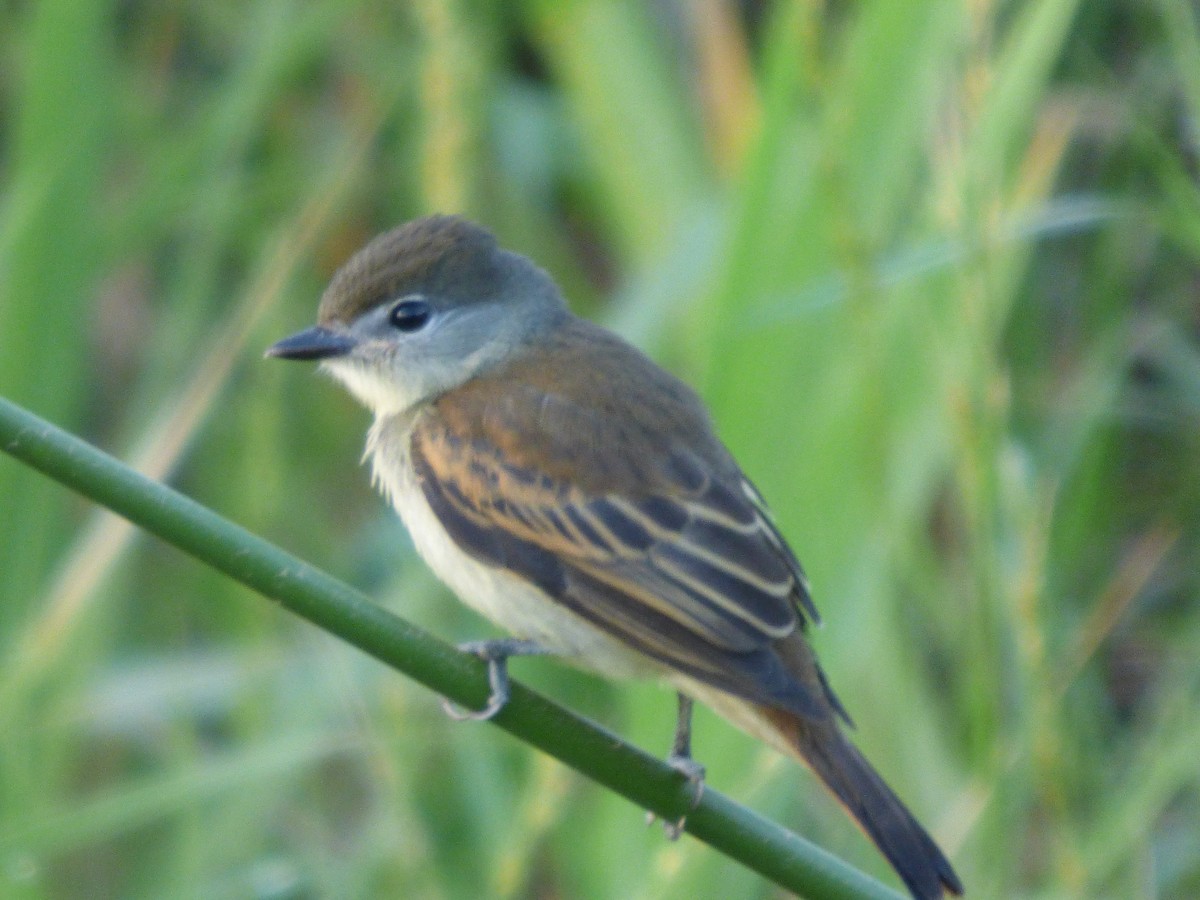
(576, 494)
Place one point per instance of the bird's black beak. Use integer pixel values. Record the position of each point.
(313, 343)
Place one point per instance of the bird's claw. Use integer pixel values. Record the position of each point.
(691, 770)
(460, 714)
(495, 653)
(694, 773)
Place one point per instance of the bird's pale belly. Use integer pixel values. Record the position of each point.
(516, 605)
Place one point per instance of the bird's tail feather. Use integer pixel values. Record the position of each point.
(879, 812)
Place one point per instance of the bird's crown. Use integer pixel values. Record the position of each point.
(447, 258)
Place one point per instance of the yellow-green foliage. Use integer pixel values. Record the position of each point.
(932, 263)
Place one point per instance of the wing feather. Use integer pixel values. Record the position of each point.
(691, 572)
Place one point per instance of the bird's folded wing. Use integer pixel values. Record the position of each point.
(692, 573)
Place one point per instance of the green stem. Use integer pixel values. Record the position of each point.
(645, 780)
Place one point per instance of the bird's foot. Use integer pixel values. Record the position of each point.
(694, 773)
(495, 653)
(682, 762)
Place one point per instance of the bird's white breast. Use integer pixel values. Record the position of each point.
(513, 603)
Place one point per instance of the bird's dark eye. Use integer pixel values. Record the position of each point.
(409, 315)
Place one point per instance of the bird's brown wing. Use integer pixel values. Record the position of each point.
(692, 573)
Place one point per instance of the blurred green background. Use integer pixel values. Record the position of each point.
(933, 265)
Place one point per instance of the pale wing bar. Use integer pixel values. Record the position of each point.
(696, 582)
(712, 554)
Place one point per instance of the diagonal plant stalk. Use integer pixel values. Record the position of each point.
(728, 827)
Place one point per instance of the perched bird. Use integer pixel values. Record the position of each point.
(575, 493)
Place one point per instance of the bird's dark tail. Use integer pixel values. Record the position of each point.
(887, 822)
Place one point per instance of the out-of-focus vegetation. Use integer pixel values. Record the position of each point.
(933, 264)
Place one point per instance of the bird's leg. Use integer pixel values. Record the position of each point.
(681, 761)
(495, 653)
